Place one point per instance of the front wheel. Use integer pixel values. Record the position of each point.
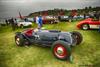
(85, 26)
(19, 40)
(21, 26)
(61, 50)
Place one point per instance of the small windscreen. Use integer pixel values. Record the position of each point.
(54, 31)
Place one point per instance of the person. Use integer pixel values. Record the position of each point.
(12, 23)
(15, 22)
(84, 15)
(6, 22)
(99, 28)
(70, 18)
(39, 21)
(97, 17)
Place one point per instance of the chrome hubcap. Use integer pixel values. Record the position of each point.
(85, 27)
(60, 50)
(17, 41)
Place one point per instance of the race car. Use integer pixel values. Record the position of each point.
(88, 23)
(59, 41)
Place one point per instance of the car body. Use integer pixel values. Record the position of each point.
(59, 41)
(22, 23)
(88, 23)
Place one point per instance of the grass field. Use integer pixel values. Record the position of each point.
(87, 54)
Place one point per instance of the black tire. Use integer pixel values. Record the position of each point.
(21, 26)
(22, 40)
(61, 50)
(51, 22)
(19, 39)
(30, 25)
(85, 27)
(78, 36)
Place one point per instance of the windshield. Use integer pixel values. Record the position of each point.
(20, 21)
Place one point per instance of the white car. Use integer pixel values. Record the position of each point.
(2, 23)
(22, 23)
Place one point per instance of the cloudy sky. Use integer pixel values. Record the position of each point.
(10, 8)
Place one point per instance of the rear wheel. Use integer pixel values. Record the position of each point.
(61, 50)
(77, 36)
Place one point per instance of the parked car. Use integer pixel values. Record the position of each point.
(88, 23)
(22, 23)
(2, 23)
(49, 19)
(63, 18)
(59, 41)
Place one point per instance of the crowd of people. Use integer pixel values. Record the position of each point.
(13, 23)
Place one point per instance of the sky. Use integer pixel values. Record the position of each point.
(11, 8)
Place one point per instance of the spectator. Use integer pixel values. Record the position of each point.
(39, 21)
(15, 22)
(6, 22)
(84, 16)
(97, 15)
(59, 18)
(99, 28)
(26, 20)
(12, 24)
(91, 14)
(99, 19)
(70, 18)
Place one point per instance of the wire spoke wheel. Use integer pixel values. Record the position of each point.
(17, 40)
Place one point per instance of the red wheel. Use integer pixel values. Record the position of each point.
(61, 50)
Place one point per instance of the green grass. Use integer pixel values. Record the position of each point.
(85, 54)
